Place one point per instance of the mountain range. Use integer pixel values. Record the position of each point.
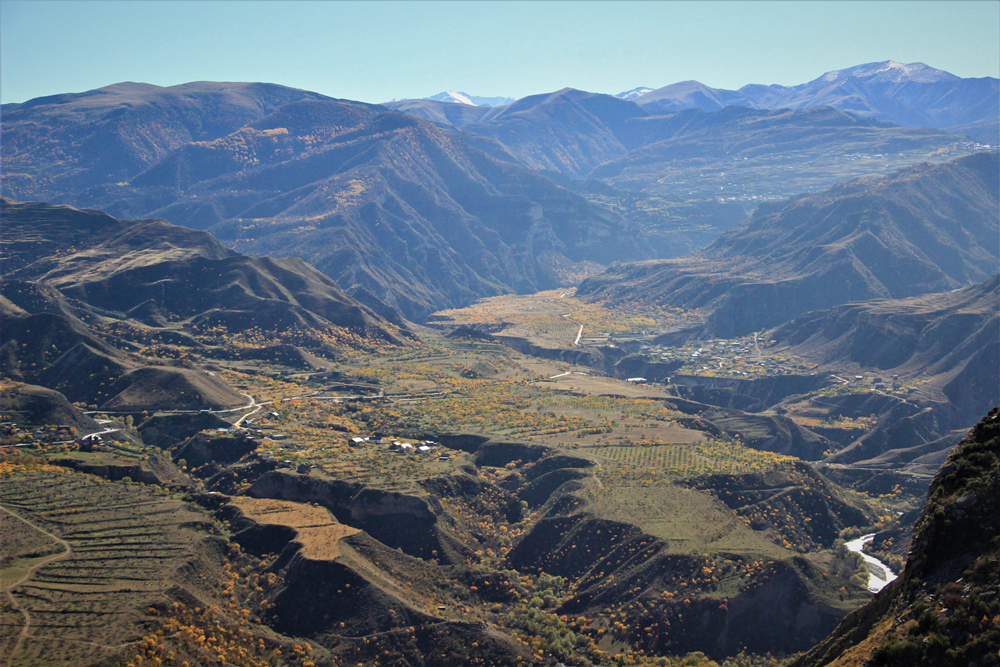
(413, 216)
(913, 95)
(683, 517)
(919, 230)
(408, 217)
(582, 134)
(907, 94)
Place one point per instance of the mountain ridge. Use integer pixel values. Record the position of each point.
(922, 229)
(907, 94)
(407, 216)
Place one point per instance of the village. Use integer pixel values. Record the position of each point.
(747, 358)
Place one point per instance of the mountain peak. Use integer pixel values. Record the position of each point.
(454, 98)
(890, 71)
(634, 93)
(474, 100)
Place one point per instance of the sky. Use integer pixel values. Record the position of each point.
(383, 50)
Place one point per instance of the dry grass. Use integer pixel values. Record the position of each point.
(319, 532)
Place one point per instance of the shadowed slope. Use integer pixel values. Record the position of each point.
(158, 272)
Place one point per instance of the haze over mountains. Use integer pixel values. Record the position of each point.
(912, 94)
(413, 216)
(583, 134)
(924, 229)
(400, 212)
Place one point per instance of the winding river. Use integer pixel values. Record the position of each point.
(880, 574)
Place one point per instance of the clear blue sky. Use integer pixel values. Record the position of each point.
(376, 51)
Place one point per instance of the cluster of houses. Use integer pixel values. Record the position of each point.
(879, 384)
(422, 447)
(12, 433)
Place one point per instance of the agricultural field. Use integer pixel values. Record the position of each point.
(554, 319)
(100, 554)
(685, 519)
(652, 459)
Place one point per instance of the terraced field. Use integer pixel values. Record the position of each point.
(89, 557)
(691, 459)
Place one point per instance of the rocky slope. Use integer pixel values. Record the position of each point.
(942, 609)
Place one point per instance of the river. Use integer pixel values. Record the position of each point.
(880, 574)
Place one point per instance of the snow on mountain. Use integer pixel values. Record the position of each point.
(452, 98)
(634, 93)
(474, 100)
(890, 71)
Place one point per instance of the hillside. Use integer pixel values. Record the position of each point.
(913, 95)
(403, 214)
(67, 143)
(949, 340)
(112, 312)
(37, 406)
(924, 229)
(940, 611)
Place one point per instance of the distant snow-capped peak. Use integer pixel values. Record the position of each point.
(634, 93)
(891, 72)
(473, 100)
(452, 98)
